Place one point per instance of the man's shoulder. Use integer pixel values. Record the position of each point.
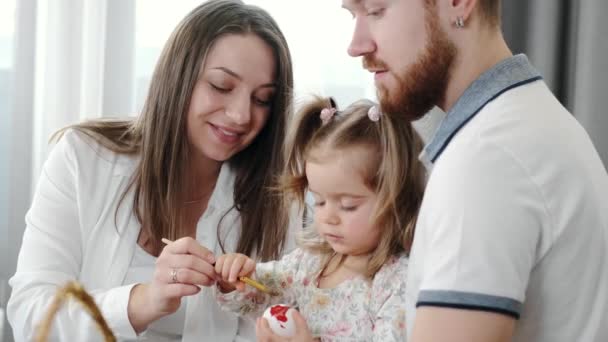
(524, 125)
(520, 112)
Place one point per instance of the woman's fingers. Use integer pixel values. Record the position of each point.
(185, 261)
(187, 276)
(219, 264)
(191, 262)
(188, 245)
(180, 290)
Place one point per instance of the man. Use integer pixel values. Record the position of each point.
(512, 238)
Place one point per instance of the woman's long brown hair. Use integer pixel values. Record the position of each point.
(159, 136)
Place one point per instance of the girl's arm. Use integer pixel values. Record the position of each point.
(279, 276)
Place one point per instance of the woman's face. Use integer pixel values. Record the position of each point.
(232, 98)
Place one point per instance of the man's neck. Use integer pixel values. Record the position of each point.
(471, 62)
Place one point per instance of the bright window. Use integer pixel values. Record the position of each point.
(321, 66)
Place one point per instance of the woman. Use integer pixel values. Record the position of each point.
(195, 166)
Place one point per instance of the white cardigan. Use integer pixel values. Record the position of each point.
(74, 232)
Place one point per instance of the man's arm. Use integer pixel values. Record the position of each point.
(480, 247)
(436, 324)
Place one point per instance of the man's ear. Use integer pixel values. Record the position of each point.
(458, 11)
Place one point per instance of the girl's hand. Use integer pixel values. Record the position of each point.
(229, 267)
(265, 334)
(181, 267)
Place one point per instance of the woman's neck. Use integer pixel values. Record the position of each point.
(201, 175)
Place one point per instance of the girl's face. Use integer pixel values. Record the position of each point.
(344, 204)
(231, 100)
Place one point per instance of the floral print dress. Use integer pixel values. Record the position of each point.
(355, 310)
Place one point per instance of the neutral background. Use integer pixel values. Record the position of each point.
(62, 61)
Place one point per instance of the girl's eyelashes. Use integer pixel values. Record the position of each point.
(348, 208)
(343, 202)
(349, 204)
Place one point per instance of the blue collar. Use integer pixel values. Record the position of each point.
(508, 74)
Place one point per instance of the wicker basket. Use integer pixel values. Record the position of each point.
(77, 292)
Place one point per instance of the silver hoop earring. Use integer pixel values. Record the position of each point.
(459, 22)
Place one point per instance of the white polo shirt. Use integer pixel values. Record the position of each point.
(515, 215)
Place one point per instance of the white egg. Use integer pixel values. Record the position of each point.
(280, 320)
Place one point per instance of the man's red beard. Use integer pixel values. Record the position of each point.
(424, 83)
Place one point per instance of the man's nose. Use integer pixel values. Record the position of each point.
(361, 43)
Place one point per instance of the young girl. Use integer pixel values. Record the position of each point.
(348, 276)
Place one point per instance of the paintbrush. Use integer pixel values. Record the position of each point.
(245, 280)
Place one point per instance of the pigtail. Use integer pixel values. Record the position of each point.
(414, 178)
(300, 135)
(400, 184)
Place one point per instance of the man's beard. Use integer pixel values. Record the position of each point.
(424, 83)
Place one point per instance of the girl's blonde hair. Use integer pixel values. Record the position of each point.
(393, 171)
(159, 136)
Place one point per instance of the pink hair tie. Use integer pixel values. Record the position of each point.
(327, 114)
(374, 113)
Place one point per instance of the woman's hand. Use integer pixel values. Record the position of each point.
(181, 267)
(229, 267)
(265, 334)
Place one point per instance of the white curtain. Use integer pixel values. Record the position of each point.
(566, 40)
(590, 73)
(73, 60)
(83, 66)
